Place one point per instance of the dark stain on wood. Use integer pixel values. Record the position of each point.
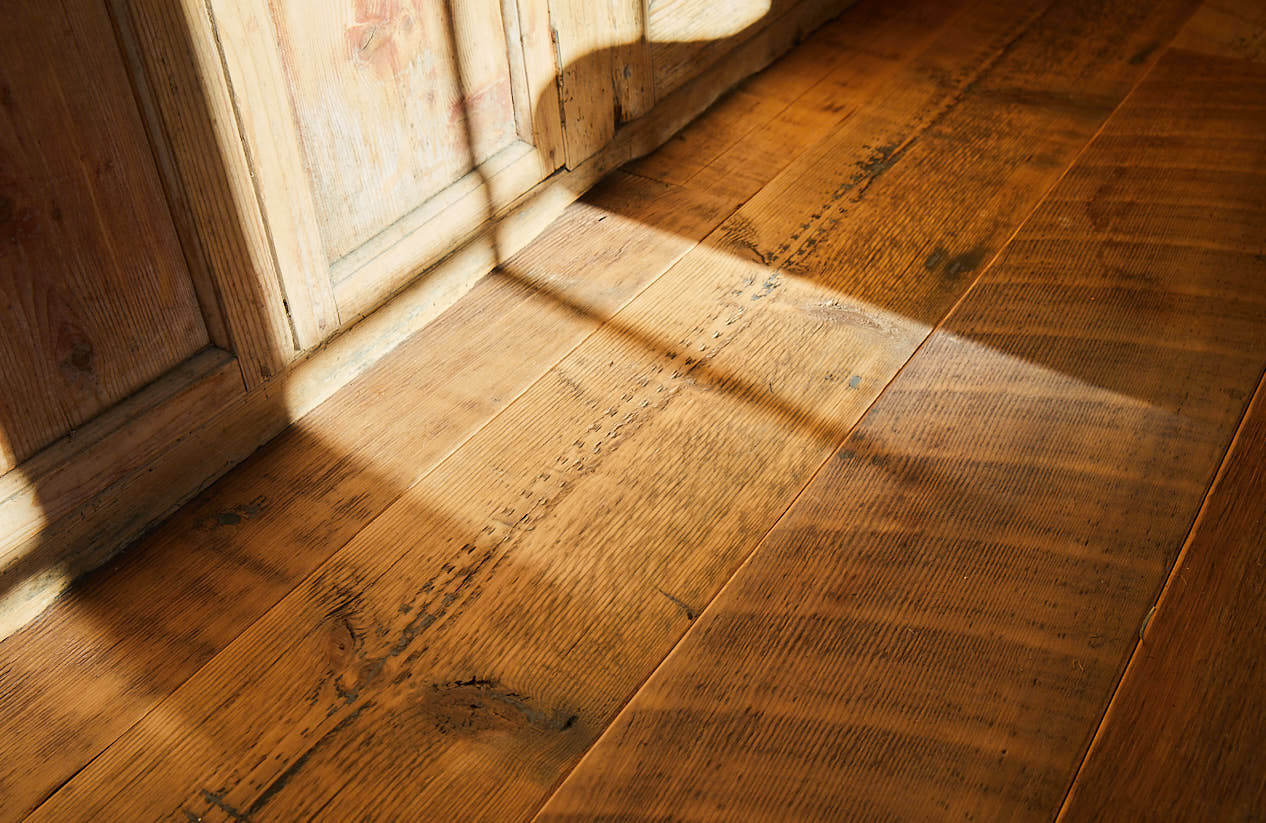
(481, 704)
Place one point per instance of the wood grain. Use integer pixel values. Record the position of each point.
(544, 129)
(393, 102)
(230, 555)
(676, 110)
(755, 131)
(367, 277)
(106, 452)
(1181, 739)
(584, 36)
(104, 510)
(147, 99)
(687, 35)
(726, 124)
(377, 269)
(935, 627)
(632, 76)
(95, 297)
(248, 46)
(1227, 28)
(480, 633)
(212, 190)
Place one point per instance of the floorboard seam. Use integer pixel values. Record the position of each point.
(1259, 397)
(813, 476)
(438, 462)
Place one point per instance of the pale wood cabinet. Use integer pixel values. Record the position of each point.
(214, 213)
(385, 132)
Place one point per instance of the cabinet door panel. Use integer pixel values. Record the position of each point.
(95, 296)
(383, 133)
(394, 101)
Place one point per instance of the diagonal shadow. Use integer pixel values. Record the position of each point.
(211, 593)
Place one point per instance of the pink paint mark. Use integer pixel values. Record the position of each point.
(385, 34)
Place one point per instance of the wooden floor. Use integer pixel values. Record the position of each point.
(889, 445)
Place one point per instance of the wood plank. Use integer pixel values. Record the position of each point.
(363, 279)
(227, 557)
(541, 63)
(687, 36)
(388, 103)
(752, 133)
(632, 75)
(366, 278)
(95, 297)
(480, 633)
(147, 98)
(541, 122)
(935, 627)
(1182, 736)
(1227, 28)
(94, 526)
(76, 503)
(378, 269)
(722, 127)
(679, 108)
(54, 483)
(584, 36)
(215, 192)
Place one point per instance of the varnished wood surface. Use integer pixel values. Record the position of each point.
(739, 144)
(1182, 737)
(935, 627)
(95, 297)
(479, 634)
(1227, 28)
(177, 65)
(90, 512)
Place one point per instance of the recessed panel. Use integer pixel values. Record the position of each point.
(95, 297)
(394, 100)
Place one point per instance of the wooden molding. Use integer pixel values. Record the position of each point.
(178, 47)
(247, 40)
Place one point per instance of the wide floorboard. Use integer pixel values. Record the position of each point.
(1182, 738)
(823, 464)
(935, 627)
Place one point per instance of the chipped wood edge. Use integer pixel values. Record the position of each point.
(632, 73)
